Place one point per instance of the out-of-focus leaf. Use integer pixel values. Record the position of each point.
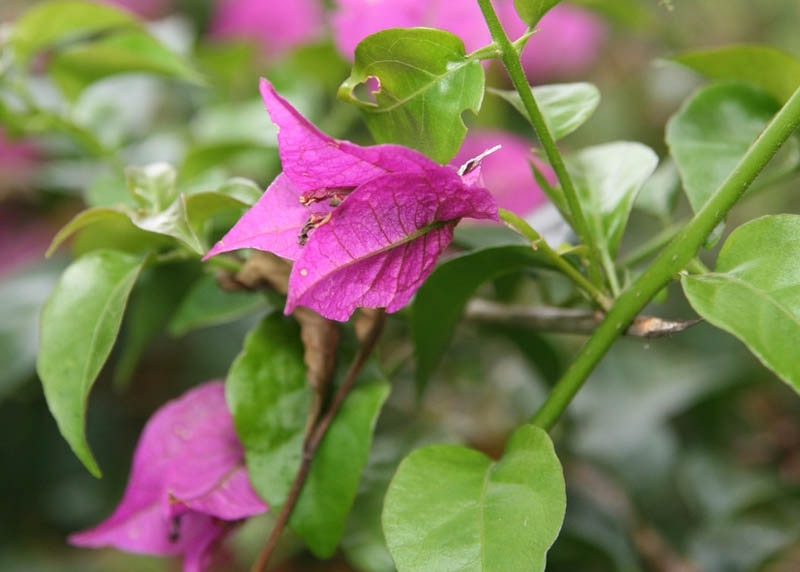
(565, 106)
(452, 508)
(440, 301)
(269, 399)
(79, 325)
(21, 298)
(153, 301)
(202, 206)
(209, 156)
(153, 186)
(660, 193)
(75, 68)
(531, 11)
(206, 304)
(711, 132)
(425, 83)
(322, 509)
(754, 292)
(51, 23)
(773, 70)
(608, 178)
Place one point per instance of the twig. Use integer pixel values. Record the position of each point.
(567, 320)
(314, 439)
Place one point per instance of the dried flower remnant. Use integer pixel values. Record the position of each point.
(188, 483)
(363, 225)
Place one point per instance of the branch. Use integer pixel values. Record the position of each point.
(315, 437)
(567, 320)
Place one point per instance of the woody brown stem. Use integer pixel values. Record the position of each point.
(315, 437)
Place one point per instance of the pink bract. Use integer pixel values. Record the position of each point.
(275, 26)
(566, 42)
(507, 172)
(363, 225)
(188, 478)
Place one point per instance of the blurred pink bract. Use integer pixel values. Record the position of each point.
(187, 481)
(566, 43)
(275, 26)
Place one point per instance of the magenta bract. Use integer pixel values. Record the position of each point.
(187, 482)
(363, 225)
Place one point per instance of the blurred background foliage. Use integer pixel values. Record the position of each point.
(681, 454)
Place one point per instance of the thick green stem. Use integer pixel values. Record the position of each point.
(540, 244)
(675, 256)
(510, 59)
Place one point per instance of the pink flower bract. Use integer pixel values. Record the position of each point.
(507, 172)
(566, 42)
(363, 225)
(275, 26)
(188, 477)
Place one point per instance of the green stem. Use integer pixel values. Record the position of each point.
(510, 59)
(540, 244)
(675, 256)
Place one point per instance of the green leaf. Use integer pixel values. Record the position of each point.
(117, 218)
(439, 302)
(711, 132)
(321, 511)
(207, 304)
(205, 157)
(51, 23)
(565, 106)
(79, 324)
(153, 186)
(76, 68)
(608, 179)
(453, 509)
(426, 83)
(269, 399)
(531, 11)
(754, 292)
(202, 206)
(775, 71)
(173, 222)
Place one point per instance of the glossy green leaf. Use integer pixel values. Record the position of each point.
(54, 22)
(269, 399)
(153, 186)
(565, 106)
(453, 509)
(101, 228)
(425, 84)
(711, 132)
(75, 68)
(79, 325)
(241, 189)
(321, 511)
(531, 11)
(608, 178)
(754, 292)
(206, 304)
(440, 301)
(773, 70)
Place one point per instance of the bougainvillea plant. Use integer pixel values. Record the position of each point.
(450, 211)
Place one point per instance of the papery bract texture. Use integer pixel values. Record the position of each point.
(507, 172)
(275, 26)
(566, 42)
(188, 478)
(363, 225)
